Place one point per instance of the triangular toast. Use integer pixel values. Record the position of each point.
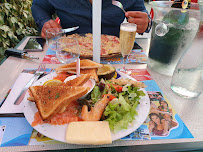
(51, 99)
(79, 81)
(84, 64)
(91, 72)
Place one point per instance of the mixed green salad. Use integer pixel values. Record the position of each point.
(121, 109)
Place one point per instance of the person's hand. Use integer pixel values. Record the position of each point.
(139, 18)
(47, 25)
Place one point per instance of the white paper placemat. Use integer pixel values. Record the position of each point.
(8, 105)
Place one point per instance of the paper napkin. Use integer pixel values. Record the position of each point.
(8, 105)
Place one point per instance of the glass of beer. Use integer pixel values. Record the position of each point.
(127, 39)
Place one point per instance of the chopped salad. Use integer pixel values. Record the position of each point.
(121, 109)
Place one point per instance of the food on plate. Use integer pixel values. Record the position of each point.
(112, 102)
(88, 132)
(92, 72)
(71, 114)
(128, 81)
(53, 82)
(96, 112)
(110, 45)
(62, 76)
(86, 67)
(51, 99)
(78, 81)
(84, 64)
(31, 98)
(123, 101)
(106, 72)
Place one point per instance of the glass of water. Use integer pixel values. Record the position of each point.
(187, 80)
(67, 50)
(52, 35)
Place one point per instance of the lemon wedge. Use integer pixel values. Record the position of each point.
(53, 82)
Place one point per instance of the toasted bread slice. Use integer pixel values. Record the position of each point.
(84, 64)
(31, 98)
(79, 81)
(91, 72)
(51, 99)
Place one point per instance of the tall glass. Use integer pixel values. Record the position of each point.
(127, 39)
(173, 31)
(67, 50)
(187, 80)
(52, 35)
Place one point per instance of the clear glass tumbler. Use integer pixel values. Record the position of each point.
(187, 80)
(67, 50)
(52, 35)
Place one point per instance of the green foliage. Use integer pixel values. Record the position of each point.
(16, 22)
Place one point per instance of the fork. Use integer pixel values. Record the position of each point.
(118, 4)
(41, 69)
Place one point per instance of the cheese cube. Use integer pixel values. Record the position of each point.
(88, 133)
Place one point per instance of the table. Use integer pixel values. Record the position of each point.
(190, 111)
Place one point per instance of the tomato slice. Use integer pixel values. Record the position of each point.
(111, 97)
(117, 87)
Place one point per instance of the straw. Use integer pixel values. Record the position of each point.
(78, 67)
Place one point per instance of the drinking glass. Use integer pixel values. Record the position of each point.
(67, 50)
(187, 80)
(127, 39)
(52, 35)
(173, 31)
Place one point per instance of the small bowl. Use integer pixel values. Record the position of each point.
(87, 84)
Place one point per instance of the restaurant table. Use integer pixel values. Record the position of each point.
(190, 111)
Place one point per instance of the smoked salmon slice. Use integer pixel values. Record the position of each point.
(70, 115)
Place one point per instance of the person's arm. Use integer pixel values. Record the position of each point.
(42, 12)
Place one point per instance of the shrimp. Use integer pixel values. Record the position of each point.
(96, 112)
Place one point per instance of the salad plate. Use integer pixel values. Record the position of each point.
(58, 132)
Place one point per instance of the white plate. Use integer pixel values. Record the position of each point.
(57, 132)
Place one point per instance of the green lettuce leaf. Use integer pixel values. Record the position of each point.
(95, 94)
(119, 113)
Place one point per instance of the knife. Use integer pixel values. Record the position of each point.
(70, 29)
(38, 73)
(23, 92)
